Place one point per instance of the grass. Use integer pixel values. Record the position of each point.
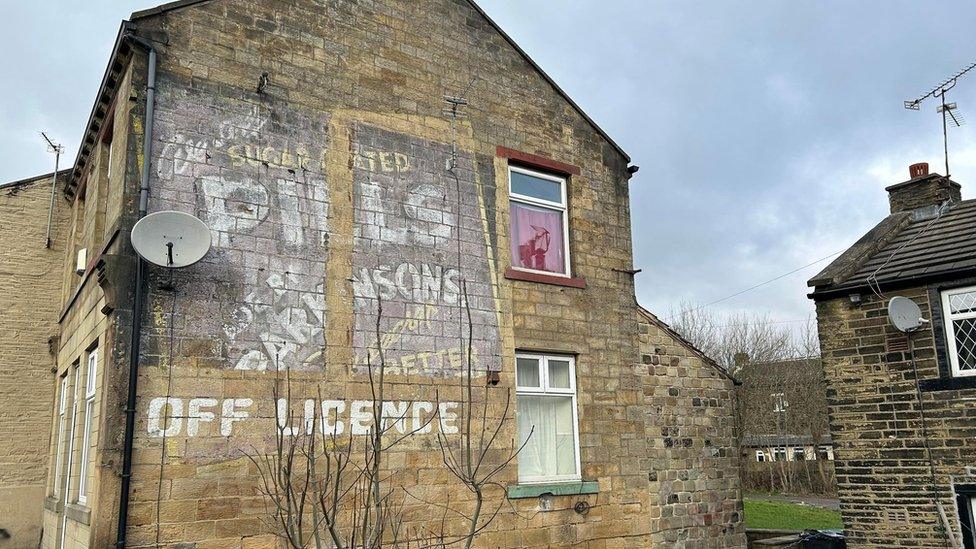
(783, 515)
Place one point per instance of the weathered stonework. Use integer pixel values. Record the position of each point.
(310, 136)
(28, 324)
(883, 476)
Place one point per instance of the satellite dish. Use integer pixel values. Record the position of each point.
(904, 314)
(171, 239)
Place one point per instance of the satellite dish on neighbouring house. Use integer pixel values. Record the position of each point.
(904, 314)
(171, 239)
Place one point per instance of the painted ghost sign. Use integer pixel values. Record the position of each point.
(194, 417)
(255, 175)
(416, 237)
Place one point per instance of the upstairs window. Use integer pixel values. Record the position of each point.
(959, 310)
(546, 418)
(91, 375)
(540, 230)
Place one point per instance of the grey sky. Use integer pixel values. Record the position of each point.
(765, 131)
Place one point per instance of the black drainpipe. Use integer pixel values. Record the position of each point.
(130, 404)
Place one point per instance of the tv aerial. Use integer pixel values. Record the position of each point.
(905, 315)
(945, 109)
(171, 239)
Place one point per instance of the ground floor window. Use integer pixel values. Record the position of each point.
(546, 418)
(966, 503)
(779, 454)
(760, 456)
(799, 454)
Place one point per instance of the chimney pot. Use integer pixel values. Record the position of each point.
(918, 170)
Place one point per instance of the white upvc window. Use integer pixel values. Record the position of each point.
(959, 310)
(779, 454)
(546, 416)
(62, 419)
(539, 221)
(91, 375)
(760, 456)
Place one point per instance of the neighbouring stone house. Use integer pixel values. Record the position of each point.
(783, 411)
(314, 140)
(902, 405)
(28, 339)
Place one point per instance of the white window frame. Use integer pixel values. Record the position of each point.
(760, 456)
(545, 390)
(780, 404)
(562, 207)
(950, 334)
(777, 451)
(59, 451)
(91, 376)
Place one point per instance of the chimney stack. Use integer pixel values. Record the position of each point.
(923, 190)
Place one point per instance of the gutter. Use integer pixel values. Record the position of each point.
(135, 341)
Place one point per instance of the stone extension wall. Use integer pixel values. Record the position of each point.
(693, 443)
(30, 287)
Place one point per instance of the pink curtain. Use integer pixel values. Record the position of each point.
(537, 238)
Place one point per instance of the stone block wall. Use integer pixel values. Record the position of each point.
(30, 283)
(885, 480)
(692, 439)
(310, 136)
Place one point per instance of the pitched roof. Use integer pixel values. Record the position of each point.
(905, 249)
(178, 4)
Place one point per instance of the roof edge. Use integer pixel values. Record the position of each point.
(179, 4)
(653, 319)
(40, 177)
(162, 8)
(853, 257)
(549, 79)
(91, 127)
(831, 292)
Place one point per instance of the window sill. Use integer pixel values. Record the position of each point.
(523, 491)
(568, 282)
(78, 513)
(52, 504)
(948, 383)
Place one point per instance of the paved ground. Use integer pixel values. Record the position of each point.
(827, 503)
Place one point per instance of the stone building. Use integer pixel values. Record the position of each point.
(354, 212)
(901, 405)
(783, 411)
(28, 338)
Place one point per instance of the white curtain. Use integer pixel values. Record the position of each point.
(547, 423)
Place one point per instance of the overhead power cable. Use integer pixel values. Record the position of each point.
(755, 286)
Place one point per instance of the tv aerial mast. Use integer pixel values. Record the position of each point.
(57, 149)
(945, 109)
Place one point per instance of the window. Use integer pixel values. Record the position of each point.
(59, 453)
(760, 456)
(779, 402)
(779, 454)
(90, 378)
(540, 231)
(959, 309)
(799, 454)
(825, 453)
(546, 414)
